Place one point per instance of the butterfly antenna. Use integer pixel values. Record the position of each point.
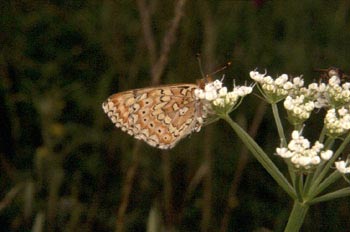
(200, 64)
(228, 64)
(320, 70)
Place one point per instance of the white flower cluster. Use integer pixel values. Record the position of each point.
(299, 108)
(338, 94)
(337, 122)
(343, 166)
(303, 100)
(314, 92)
(274, 89)
(299, 100)
(218, 96)
(300, 153)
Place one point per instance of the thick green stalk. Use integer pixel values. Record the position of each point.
(296, 217)
(261, 156)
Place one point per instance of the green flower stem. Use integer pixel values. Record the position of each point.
(323, 134)
(279, 124)
(261, 156)
(328, 181)
(299, 186)
(283, 138)
(308, 183)
(329, 143)
(297, 216)
(292, 175)
(326, 168)
(345, 192)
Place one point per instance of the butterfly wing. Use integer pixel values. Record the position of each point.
(160, 116)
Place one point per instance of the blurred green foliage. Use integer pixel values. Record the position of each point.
(63, 164)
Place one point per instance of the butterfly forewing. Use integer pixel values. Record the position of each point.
(160, 116)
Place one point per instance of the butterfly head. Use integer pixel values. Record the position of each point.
(202, 82)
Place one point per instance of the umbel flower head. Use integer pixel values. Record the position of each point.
(337, 121)
(300, 153)
(338, 93)
(275, 90)
(299, 108)
(217, 99)
(300, 101)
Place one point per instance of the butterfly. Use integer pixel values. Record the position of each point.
(333, 71)
(161, 116)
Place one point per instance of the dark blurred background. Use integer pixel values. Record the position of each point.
(64, 167)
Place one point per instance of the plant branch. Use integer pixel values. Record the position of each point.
(147, 30)
(126, 189)
(345, 192)
(168, 40)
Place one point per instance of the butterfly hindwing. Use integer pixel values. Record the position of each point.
(160, 116)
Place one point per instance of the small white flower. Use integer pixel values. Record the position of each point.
(313, 86)
(346, 85)
(304, 160)
(298, 81)
(268, 80)
(334, 80)
(244, 90)
(210, 95)
(342, 111)
(256, 76)
(315, 160)
(281, 151)
(326, 155)
(295, 135)
(342, 167)
(318, 146)
(288, 85)
(223, 91)
(199, 93)
(217, 84)
(219, 102)
(281, 80)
